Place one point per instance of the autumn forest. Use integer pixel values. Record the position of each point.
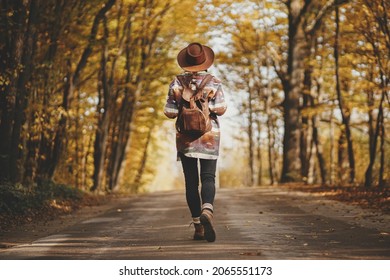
(83, 86)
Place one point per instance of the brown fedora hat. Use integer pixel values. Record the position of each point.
(195, 57)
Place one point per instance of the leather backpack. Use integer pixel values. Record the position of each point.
(193, 102)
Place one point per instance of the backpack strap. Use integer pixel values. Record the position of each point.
(187, 92)
(206, 79)
(182, 80)
(176, 93)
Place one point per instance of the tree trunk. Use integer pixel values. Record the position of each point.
(319, 150)
(291, 170)
(306, 144)
(311, 174)
(382, 153)
(21, 91)
(344, 115)
(250, 139)
(271, 140)
(124, 140)
(79, 147)
(373, 145)
(103, 111)
(87, 154)
(259, 156)
(272, 170)
(317, 140)
(10, 99)
(342, 161)
(45, 152)
(371, 137)
(298, 52)
(331, 148)
(141, 169)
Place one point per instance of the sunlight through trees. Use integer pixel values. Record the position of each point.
(83, 85)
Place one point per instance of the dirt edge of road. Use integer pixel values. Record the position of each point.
(29, 228)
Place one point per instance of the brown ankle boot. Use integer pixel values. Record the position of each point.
(199, 232)
(206, 219)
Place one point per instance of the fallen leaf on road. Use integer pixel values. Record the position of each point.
(290, 236)
(251, 254)
(330, 230)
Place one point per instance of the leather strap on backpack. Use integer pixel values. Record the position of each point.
(207, 78)
(184, 82)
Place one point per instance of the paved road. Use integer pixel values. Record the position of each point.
(251, 223)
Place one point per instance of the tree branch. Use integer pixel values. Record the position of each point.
(328, 7)
(91, 39)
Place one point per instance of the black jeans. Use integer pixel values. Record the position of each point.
(191, 176)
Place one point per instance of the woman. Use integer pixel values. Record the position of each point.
(195, 59)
